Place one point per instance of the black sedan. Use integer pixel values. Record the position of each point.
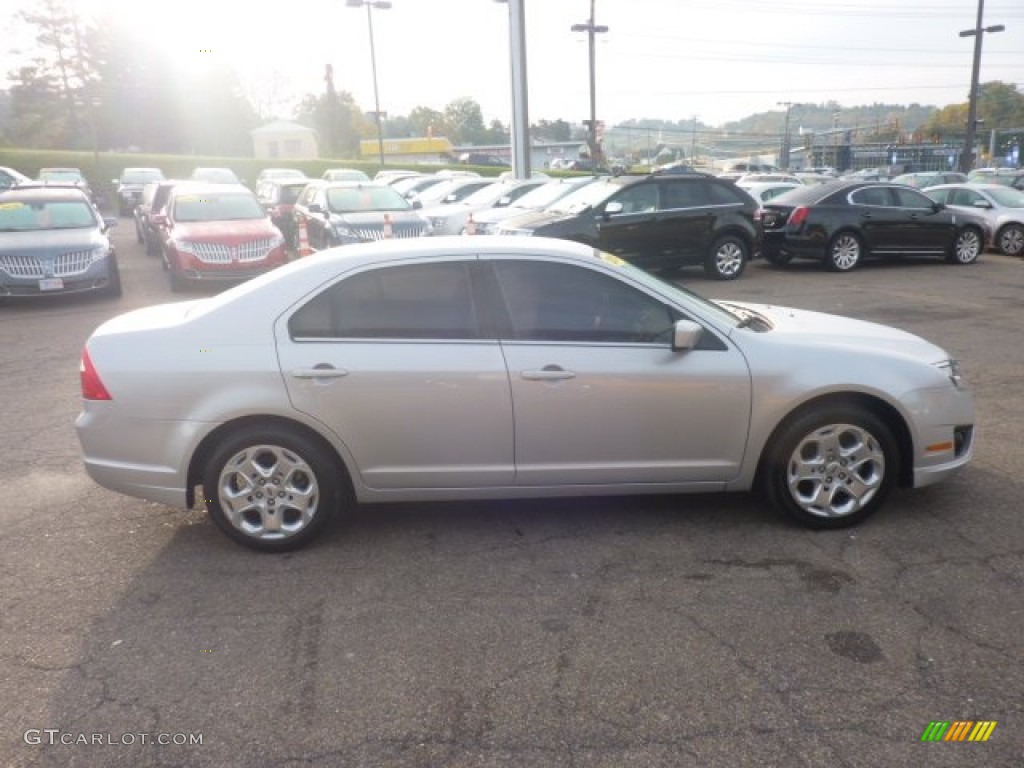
(844, 222)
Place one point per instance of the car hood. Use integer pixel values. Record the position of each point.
(51, 241)
(213, 230)
(833, 331)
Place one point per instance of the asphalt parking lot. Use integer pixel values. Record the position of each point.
(667, 631)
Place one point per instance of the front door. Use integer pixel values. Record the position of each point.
(599, 395)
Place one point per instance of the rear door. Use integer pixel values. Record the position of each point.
(391, 360)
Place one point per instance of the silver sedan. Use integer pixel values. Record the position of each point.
(484, 368)
(1002, 207)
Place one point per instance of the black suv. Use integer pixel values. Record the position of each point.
(660, 221)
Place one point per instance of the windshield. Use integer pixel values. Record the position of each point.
(217, 207)
(140, 175)
(72, 176)
(344, 174)
(354, 199)
(587, 196)
(1008, 197)
(546, 194)
(489, 195)
(18, 216)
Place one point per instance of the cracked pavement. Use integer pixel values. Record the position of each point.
(666, 631)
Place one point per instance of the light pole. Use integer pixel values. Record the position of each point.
(382, 5)
(784, 155)
(967, 155)
(591, 29)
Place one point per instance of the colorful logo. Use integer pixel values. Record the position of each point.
(958, 730)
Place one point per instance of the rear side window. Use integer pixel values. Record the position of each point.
(871, 196)
(724, 194)
(416, 301)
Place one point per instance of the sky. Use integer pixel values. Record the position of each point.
(716, 60)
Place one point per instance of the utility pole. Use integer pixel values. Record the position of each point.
(592, 29)
(967, 155)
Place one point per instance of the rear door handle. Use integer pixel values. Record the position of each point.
(548, 373)
(319, 371)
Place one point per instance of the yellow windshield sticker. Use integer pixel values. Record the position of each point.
(615, 261)
(11, 206)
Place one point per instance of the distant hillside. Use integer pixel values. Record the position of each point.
(825, 117)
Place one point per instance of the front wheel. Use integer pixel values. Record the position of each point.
(727, 258)
(831, 468)
(1011, 240)
(270, 488)
(966, 247)
(844, 252)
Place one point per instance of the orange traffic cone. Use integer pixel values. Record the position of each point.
(304, 249)
(388, 233)
(470, 226)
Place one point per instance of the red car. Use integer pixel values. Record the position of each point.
(216, 232)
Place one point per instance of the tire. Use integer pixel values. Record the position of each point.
(845, 252)
(152, 245)
(1010, 240)
(967, 246)
(727, 258)
(112, 290)
(831, 467)
(270, 488)
(178, 283)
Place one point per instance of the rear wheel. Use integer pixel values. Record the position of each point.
(844, 252)
(270, 488)
(727, 258)
(178, 283)
(966, 247)
(831, 467)
(1011, 240)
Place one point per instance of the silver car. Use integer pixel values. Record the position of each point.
(501, 367)
(1002, 207)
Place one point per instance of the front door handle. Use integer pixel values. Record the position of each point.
(548, 373)
(319, 371)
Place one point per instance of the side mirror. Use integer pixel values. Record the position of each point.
(109, 222)
(613, 208)
(982, 204)
(685, 335)
(503, 201)
(416, 203)
(160, 219)
(115, 182)
(315, 208)
(936, 207)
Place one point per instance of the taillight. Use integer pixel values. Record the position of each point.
(92, 387)
(798, 216)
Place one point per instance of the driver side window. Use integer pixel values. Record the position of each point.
(561, 302)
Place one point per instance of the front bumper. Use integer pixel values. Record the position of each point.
(943, 432)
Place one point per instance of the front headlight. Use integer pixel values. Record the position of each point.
(342, 232)
(437, 222)
(182, 246)
(951, 368)
(276, 241)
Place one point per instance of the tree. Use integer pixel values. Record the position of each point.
(465, 122)
(338, 121)
(57, 69)
(551, 130)
(424, 121)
